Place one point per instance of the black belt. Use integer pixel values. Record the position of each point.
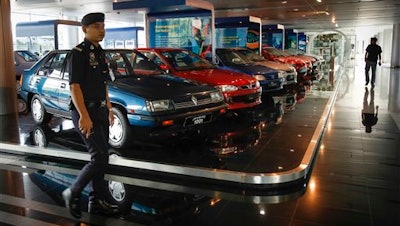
(95, 104)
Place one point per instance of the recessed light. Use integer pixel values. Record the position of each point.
(284, 2)
(296, 10)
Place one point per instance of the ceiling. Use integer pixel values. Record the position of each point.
(304, 15)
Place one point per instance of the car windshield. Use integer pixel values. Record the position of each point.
(250, 55)
(128, 63)
(28, 56)
(294, 52)
(231, 58)
(183, 60)
(276, 52)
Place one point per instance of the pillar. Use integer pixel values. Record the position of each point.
(8, 92)
(395, 59)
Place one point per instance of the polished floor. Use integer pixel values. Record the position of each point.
(354, 179)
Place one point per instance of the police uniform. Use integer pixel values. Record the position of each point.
(88, 68)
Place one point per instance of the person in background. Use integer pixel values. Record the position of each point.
(92, 115)
(372, 55)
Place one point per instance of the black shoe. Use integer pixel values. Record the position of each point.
(103, 207)
(72, 203)
(372, 84)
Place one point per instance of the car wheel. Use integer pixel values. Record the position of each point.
(39, 113)
(120, 131)
(39, 137)
(22, 106)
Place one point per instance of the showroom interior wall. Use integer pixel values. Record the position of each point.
(8, 93)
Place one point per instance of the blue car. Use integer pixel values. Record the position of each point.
(270, 79)
(145, 100)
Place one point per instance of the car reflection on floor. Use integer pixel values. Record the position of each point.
(141, 205)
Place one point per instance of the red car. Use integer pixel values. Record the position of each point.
(302, 65)
(240, 90)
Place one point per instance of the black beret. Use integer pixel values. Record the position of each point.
(92, 18)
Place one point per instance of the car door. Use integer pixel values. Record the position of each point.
(64, 94)
(47, 82)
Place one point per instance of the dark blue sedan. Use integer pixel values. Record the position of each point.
(270, 79)
(144, 100)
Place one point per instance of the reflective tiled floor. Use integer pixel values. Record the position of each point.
(354, 181)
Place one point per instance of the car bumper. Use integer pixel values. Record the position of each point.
(177, 121)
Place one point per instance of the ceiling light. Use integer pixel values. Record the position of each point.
(319, 0)
(295, 10)
(284, 2)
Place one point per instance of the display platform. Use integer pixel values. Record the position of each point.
(259, 148)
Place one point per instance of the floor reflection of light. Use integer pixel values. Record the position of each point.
(321, 149)
(312, 185)
(262, 212)
(329, 126)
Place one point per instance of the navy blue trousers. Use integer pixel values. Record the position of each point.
(97, 146)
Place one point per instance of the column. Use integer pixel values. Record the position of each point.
(395, 59)
(8, 92)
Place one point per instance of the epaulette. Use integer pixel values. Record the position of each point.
(77, 48)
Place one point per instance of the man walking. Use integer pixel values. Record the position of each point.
(91, 114)
(372, 55)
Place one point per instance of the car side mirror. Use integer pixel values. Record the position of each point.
(164, 68)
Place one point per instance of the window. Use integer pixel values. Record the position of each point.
(53, 67)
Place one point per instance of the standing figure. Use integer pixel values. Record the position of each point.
(92, 115)
(372, 54)
(196, 41)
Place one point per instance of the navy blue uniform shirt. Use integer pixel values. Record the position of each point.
(89, 69)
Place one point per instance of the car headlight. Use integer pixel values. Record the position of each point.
(216, 96)
(159, 105)
(257, 84)
(281, 74)
(227, 88)
(259, 77)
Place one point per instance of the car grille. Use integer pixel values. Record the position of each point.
(252, 85)
(289, 77)
(290, 70)
(192, 101)
(246, 98)
(271, 76)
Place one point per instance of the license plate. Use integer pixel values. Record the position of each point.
(196, 120)
(272, 84)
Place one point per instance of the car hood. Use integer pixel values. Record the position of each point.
(216, 77)
(289, 60)
(275, 65)
(253, 69)
(159, 86)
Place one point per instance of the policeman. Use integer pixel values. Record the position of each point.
(91, 114)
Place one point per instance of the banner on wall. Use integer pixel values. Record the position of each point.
(231, 37)
(302, 42)
(273, 39)
(192, 33)
(253, 39)
(291, 41)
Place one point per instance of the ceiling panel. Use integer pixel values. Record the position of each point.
(304, 15)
